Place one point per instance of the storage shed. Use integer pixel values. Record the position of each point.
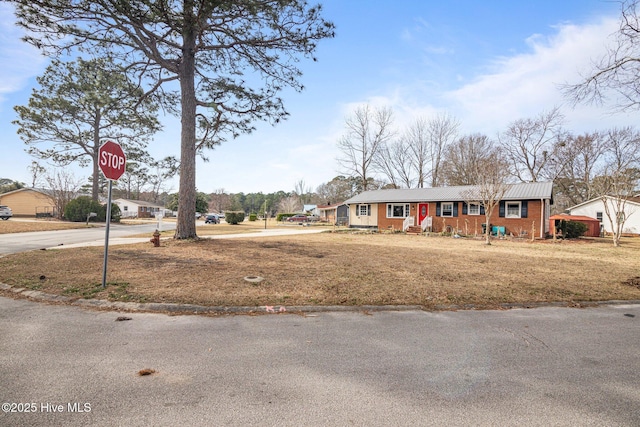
(593, 225)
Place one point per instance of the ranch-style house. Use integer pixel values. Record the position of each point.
(523, 211)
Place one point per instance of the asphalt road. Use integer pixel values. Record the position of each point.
(20, 242)
(537, 367)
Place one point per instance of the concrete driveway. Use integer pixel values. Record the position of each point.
(540, 367)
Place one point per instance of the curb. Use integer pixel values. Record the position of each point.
(277, 309)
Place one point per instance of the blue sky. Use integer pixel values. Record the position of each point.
(486, 63)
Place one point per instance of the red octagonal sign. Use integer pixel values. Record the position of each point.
(112, 160)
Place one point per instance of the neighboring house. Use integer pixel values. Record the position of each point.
(525, 208)
(29, 202)
(594, 208)
(138, 208)
(334, 214)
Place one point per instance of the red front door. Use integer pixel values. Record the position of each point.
(423, 211)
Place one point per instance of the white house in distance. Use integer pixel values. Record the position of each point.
(137, 208)
(594, 208)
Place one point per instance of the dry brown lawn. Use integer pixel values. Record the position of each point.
(338, 269)
(22, 226)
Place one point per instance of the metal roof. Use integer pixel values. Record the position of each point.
(525, 191)
(573, 217)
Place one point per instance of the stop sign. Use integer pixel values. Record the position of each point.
(111, 160)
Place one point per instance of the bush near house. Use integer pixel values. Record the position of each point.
(253, 217)
(234, 217)
(115, 212)
(573, 229)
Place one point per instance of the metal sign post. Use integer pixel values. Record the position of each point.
(106, 238)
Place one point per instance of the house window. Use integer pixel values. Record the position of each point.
(447, 209)
(474, 209)
(620, 217)
(513, 209)
(126, 208)
(599, 216)
(363, 210)
(397, 211)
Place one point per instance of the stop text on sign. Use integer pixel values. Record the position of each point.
(111, 160)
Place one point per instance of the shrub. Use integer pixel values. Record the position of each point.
(78, 209)
(234, 217)
(253, 217)
(115, 212)
(573, 229)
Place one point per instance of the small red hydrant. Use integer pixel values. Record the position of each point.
(156, 239)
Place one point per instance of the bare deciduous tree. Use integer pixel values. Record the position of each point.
(416, 158)
(368, 129)
(416, 139)
(491, 176)
(464, 158)
(290, 204)
(572, 167)
(304, 192)
(527, 144)
(619, 178)
(442, 131)
(219, 201)
(394, 161)
(617, 73)
(63, 187)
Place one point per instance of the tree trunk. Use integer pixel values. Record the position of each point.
(616, 230)
(616, 241)
(487, 226)
(186, 224)
(95, 185)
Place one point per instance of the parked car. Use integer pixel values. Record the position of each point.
(212, 219)
(298, 218)
(5, 212)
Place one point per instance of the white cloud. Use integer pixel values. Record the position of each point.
(527, 84)
(518, 86)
